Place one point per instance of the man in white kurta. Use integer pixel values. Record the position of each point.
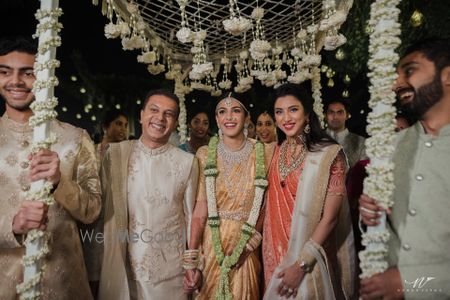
(149, 188)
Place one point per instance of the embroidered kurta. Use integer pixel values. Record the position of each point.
(149, 197)
(90, 235)
(234, 193)
(353, 144)
(77, 199)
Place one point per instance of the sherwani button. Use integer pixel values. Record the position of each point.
(419, 177)
(429, 144)
(406, 247)
(24, 164)
(25, 188)
(412, 212)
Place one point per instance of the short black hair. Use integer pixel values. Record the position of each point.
(18, 43)
(162, 92)
(434, 49)
(343, 102)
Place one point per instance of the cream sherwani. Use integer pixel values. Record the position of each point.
(77, 198)
(149, 198)
(353, 144)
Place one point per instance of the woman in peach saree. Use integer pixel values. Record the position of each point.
(308, 250)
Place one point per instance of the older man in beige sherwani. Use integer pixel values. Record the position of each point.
(70, 166)
(149, 188)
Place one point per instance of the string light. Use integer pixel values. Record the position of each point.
(416, 19)
(340, 54)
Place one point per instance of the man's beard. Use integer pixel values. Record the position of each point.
(424, 98)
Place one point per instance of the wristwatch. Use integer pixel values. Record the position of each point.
(304, 266)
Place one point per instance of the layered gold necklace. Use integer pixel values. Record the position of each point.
(285, 167)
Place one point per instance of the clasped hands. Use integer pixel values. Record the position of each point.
(44, 164)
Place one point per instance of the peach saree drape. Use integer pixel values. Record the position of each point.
(293, 209)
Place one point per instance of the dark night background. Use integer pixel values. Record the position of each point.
(113, 76)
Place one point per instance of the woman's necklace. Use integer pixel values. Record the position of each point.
(285, 167)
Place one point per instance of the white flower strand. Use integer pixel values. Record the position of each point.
(317, 94)
(37, 241)
(44, 13)
(49, 25)
(49, 43)
(52, 63)
(182, 118)
(380, 182)
(40, 84)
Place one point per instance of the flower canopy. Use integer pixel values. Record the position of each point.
(198, 37)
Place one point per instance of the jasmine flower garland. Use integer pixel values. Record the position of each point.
(379, 184)
(248, 228)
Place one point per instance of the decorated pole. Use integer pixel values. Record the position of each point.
(43, 107)
(379, 185)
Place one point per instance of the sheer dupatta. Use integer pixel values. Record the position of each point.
(325, 281)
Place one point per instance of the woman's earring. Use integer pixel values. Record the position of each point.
(220, 133)
(307, 129)
(245, 130)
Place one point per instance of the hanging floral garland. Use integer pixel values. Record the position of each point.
(248, 228)
(180, 92)
(43, 109)
(317, 94)
(379, 184)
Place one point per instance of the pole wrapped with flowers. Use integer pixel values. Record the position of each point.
(43, 107)
(379, 184)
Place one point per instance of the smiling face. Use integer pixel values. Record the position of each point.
(265, 128)
(290, 115)
(230, 117)
(199, 125)
(159, 119)
(16, 81)
(117, 130)
(418, 86)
